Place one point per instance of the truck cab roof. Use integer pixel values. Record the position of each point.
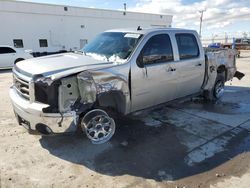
(144, 31)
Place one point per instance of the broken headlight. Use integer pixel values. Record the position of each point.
(46, 91)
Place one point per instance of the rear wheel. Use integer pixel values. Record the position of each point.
(98, 126)
(218, 89)
(219, 85)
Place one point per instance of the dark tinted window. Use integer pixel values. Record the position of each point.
(158, 49)
(43, 43)
(6, 50)
(187, 46)
(237, 40)
(18, 43)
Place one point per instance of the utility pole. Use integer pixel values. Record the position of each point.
(125, 8)
(201, 19)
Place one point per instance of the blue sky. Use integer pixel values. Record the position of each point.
(221, 16)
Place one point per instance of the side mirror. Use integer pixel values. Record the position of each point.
(139, 61)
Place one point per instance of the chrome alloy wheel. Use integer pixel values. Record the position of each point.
(219, 89)
(98, 126)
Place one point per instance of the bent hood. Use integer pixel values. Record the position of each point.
(59, 63)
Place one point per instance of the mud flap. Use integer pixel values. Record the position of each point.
(239, 75)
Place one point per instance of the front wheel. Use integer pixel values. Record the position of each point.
(98, 126)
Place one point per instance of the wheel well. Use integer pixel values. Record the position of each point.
(19, 59)
(222, 69)
(114, 100)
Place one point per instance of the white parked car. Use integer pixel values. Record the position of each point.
(10, 56)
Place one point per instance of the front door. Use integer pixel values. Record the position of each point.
(153, 83)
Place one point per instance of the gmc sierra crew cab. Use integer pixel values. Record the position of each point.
(121, 71)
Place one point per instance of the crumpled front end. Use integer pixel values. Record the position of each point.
(32, 117)
(107, 89)
(81, 92)
(30, 105)
(55, 106)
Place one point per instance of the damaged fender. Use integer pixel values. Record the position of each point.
(211, 72)
(106, 89)
(216, 59)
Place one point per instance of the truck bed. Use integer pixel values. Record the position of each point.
(215, 58)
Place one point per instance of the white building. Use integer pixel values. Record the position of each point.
(50, 28)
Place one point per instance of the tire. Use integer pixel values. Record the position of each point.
(98, 126)
(218, 89)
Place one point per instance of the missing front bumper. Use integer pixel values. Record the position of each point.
(30, 116)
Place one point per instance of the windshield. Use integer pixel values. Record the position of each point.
(112, 46)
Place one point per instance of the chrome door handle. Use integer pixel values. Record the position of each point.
(198, 65)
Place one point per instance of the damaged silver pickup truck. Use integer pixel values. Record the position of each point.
(122, 71)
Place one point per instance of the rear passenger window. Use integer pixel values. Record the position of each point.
(158, 49)
(6, 50)
(187, 46)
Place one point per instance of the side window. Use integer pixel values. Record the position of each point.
(158, 49)
(187, 46)
(18, 43)
(6, 50)
(43, 43)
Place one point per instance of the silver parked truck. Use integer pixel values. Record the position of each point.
(121, 71)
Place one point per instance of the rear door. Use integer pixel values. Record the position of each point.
(154, 82)
(7, 57)
(190, 67)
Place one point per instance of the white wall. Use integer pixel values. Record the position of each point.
(31, 22)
